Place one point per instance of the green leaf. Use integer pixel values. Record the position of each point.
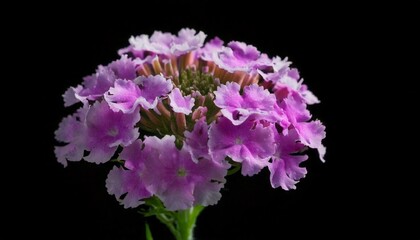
(148, 233)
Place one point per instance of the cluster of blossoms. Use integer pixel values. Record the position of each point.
(178, 113)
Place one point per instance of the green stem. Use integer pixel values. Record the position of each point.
(185, 222)
(180, 223)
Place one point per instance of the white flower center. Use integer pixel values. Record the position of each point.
(113, 132)
(182, 172)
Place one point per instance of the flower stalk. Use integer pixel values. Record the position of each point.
(180, 223)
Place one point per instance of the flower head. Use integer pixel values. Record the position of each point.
(175, 113)
(250, 143)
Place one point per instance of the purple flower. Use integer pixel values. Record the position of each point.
(288, 80)
(143, 46)
(179, 112)
(187, 41)
(94, 86)
(165, 44)
(238, 56)
(121, 181)
(196, 141)
(173, 176)
(210, 179)
(285, 171)
(214, 46)
(69, 96)
(255, 101)
(295, 108)
(262, 63)
(309, 97)
(123, 96)
(72, 130)
(144, 91)
(278, 64)
(139, 46)
(106, 130)
(124, 68)
(179, 103)
(152, 89)
(311, 133)
(161, 43)
(249, 143)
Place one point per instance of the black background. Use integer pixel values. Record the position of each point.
(73, 203)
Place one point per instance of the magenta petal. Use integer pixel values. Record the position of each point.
(179, 103)
(69, 96)
(256, 101)
(196, 141)
(243, 51)
(114, 182)
(161, 38)
(170, 172)
(124, 68)
(289, 78)
(133, 155)
(72, 131)
(278, 175)
(94, 86)
(152, 88)
(213, 46)
(295, 108)
(311, 134)
(207, 193)
(160, 43)
(100, 154)
(105, 136)
(285, 171)
(187, 41)
(178, 195)
(127, 182)
(138, 46)
(309, 97)
(238, 56)
(70, 152)
(71, 128)
(211, 180)
(249, 143)
(126, 95)
(228, 95)
(176, 179)
(165, 45)
(121, 181)
(278, 64)
(142, 46)
(123, 96)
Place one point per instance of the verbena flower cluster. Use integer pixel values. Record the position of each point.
(178, 114)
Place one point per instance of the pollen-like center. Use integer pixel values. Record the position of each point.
(193, 80)
(238, 141)
(181, 172)
(113, 132)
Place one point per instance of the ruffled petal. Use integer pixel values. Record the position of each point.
(179, 103)
(249, 143)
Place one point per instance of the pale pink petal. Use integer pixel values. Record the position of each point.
(179, 103)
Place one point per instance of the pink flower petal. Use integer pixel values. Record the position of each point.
(179, 103)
